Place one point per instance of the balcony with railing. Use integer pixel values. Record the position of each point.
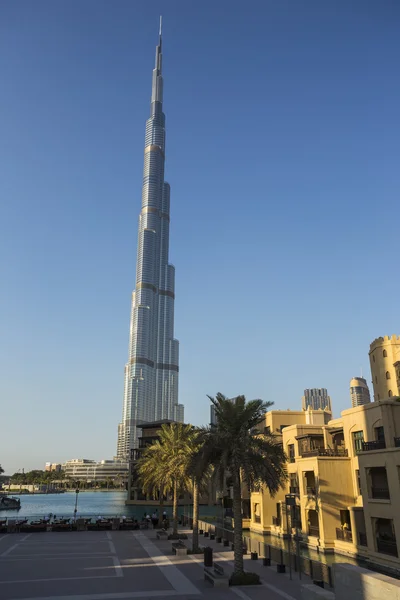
(329, 452)
(375, 445)
(310, 491)
(310, 442)
(293, 489)
(313, 531)
(276, 521)
(345, 535)
(257, 519)
(378, 485)
(362, 539)
(387, 546)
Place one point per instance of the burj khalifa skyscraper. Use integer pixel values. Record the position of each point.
(151, 373)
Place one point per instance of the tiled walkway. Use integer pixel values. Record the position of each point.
(118, 565)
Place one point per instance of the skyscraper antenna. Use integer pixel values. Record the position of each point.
(361, 371)
(160, 25)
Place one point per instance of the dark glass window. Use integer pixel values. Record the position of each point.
(379, 434)
(358, 479)
(291, 452)
(358, 438)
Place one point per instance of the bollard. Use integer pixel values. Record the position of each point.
(280, 568)
(226, 542)
(253, 556)
(212, 536)
(266, 562)
(208, 556)
(201, 531)
(206, 534)
(219, 540)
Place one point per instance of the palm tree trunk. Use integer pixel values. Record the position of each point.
(238, 531)
(195, 535)
(161, 507)
(175, 509)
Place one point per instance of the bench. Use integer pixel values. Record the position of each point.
(179, 549)
(216, 576)
(162, 535)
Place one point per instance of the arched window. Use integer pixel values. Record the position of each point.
(387, 375)
(390, 393)
(384, 354)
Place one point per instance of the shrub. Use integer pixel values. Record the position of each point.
(244, 579)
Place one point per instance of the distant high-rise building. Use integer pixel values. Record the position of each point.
(384, 358)
(316, 398)
(359, 392)
(151, 373)
(213, 416)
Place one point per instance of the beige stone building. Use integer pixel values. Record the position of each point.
(343, 480)
(384, 358)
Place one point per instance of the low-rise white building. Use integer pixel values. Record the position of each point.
(90, 470)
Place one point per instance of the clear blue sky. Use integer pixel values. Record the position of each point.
(283, 159)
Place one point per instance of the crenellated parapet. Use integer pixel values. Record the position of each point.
(383, 340)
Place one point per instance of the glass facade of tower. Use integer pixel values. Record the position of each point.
(359, 392)
(316, 398)
(151, 374)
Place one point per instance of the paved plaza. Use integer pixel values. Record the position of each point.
(112, 565)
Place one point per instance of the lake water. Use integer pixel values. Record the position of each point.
(89, 503)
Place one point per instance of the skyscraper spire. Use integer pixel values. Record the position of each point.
(151, 373)
(157, 87)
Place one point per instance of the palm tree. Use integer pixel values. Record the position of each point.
(163, 467)
(198, 480)
(235, 446)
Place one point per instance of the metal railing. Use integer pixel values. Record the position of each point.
(276, 521)
(33, 523)
(376, 445)
(325, 452)
(294, 489)
(387, 547)
(345, 535)
(362, 539)
(380, 493)
(314, 569)
(313, 531)
(310, 491)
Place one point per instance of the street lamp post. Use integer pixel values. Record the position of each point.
(76, 503)
(290, 503)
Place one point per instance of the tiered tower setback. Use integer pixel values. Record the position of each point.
(151, 373)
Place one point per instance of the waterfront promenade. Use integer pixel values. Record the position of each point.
(114, 565)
